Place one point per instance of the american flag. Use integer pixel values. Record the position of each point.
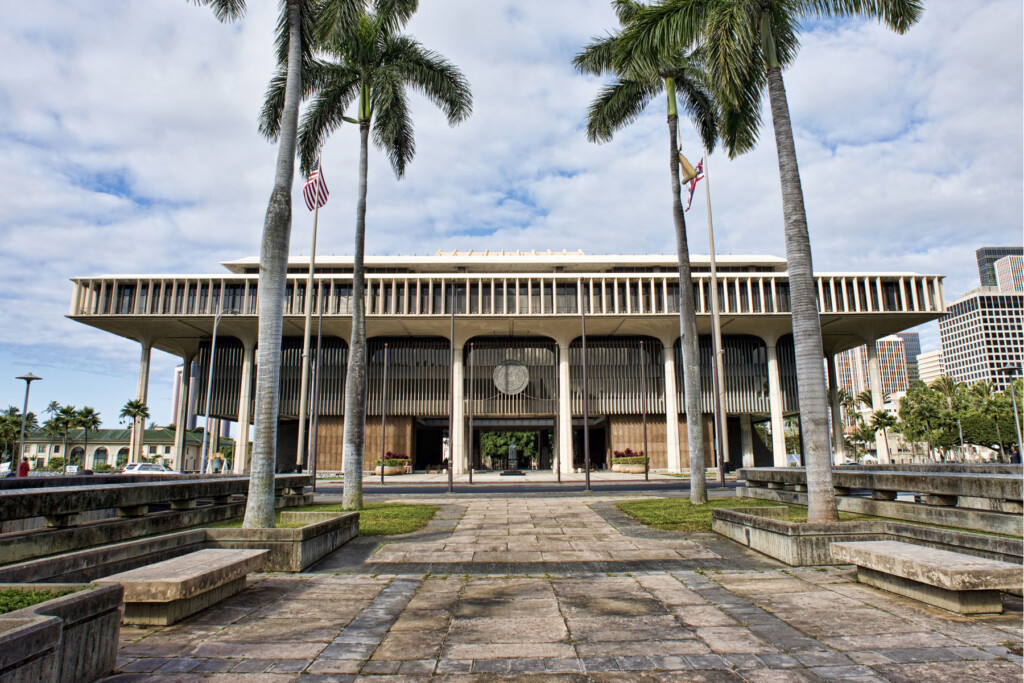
(315, 189)
(693, 183)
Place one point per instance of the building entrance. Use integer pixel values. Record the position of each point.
(534, 446)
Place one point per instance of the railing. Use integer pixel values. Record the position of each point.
(519, 294)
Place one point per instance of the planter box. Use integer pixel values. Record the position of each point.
(292, 550)
(631, 469)
(799, 544)
(69, 639)
(390, 469)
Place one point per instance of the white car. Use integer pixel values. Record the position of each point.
(145, 468)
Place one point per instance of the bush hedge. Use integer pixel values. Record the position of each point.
(628, 457)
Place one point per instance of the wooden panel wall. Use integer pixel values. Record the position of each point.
(626, 431)
(401, 433)
(708, 423)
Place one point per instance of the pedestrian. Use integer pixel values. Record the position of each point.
(23, 468)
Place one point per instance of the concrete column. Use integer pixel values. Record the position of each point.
(142, 394)
(181, 419)
(877, 399)
(564, 410)
(240, 465)
(775, 406)
(458, 439)
(838, 448)
(674, 461)
(747, 441)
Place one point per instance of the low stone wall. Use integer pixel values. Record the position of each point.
(631, 469)
(802, 544)
(70, 639)
(292, 550)
(967, 518)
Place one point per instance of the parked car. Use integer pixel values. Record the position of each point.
(145, 468)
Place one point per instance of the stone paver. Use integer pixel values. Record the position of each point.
(685, 623)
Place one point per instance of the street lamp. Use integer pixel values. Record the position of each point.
(209, 386)
(29, 378)
(1012, 371)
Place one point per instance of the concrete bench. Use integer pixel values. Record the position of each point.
(166, 592)
(960, 583)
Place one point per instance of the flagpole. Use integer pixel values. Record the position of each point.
(719, 353)
(304, 388)
(315, 403)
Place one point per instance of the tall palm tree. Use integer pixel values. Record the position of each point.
(88, 419)
(683, 81)
(368, 62)
(67, 419)
(990, 406)
(134, 410)
(747, 44)
(950, 389)
(294, 41)
(883, 421)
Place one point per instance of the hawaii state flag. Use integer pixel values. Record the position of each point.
(693, 175)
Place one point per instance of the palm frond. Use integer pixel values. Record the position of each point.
(740, 119)
(899, 15)
(224, 10)
(617, 105)
(392, 125)
(626, 10)
(394, 13)
(596, 58)
(308, 32)
(432, 75)
(731, 47)
(315, 75)
(335, 18)
(326, 112)
(668, 27)
(694, 95)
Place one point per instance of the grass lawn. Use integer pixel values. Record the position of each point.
(679, 514)
(13, 599)
(375, 519)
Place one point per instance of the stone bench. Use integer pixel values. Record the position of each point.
(960, 583)
(166, 592)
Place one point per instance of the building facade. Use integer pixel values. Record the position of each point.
(982, 334)
(930, 366)
(987, 257)
(912, 349)
(102, 448)
(1010, 273)
(498, 336)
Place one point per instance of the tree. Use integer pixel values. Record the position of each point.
(88, 419)
(66, 420)
(747, 44)
(367, 62)
(991, 406)
(883, 421)
(683, 81)
(294, 49)
(134, 410)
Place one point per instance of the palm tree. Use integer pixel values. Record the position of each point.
(990, 406)
(883, 421)
(88, 419)
(66, 420)
(294, 49)
(135, 410)
(369, 63)
(747, 44)
(619, 104)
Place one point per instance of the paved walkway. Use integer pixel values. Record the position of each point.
(684, 615)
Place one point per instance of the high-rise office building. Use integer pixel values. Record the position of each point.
(930, 366)
(1010, 273)
(912, 349)
(987, 257)
(983, 333)
(852, 366)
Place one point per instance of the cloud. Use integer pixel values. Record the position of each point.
(130, 146)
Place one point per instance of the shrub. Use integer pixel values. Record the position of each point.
(628, 457)
(55, 464)
(395, 459)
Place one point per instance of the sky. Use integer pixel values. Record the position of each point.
(129, 144)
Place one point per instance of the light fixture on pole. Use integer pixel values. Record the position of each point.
(209, 387)
(469, 405)
(1012, 371)
(29, 378)
(643, 407)
(586, 394)
(451, 402)
(383, 411)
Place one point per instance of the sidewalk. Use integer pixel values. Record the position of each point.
(528, 477)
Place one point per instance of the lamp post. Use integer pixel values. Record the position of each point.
(209, 387)
(29, 378)
(1011, 371)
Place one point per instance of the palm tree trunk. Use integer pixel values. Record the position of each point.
(810, 372)
(687, 327)
(277, 227)
(355, 378)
